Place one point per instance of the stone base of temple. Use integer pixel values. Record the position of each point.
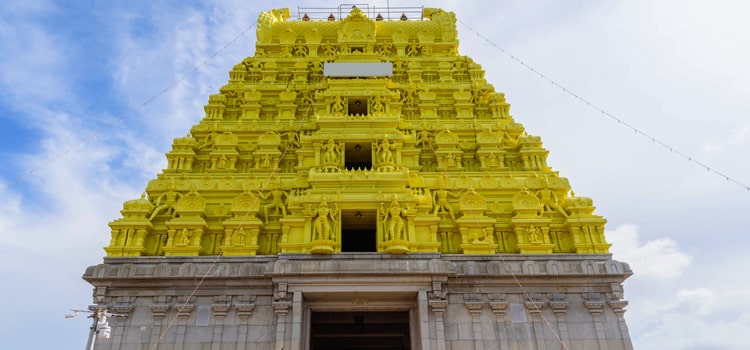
(416, 300)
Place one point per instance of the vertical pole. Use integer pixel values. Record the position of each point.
(92, 332)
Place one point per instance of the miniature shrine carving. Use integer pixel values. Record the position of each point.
(432, 133)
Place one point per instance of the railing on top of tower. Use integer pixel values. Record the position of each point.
(388, 13)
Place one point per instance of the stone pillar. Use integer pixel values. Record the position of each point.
(560, 308)
(438, 308)
(243, 312)
(618, 307)
(158, 311)
(118, 334)
(183, 313)
(296, 338)
(423, 319)
(219, 311)
(535, 310)
(475, 311)
(281, 308)
(596, 308)
(499, 308)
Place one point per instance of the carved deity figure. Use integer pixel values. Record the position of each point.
(329, 50)
(492, 159)
(266, 160)
(170, 199)
(222, 163)
(393, 221)
(385, 49)
(239, 237)
(338, 106)
(550, 202)
(407, 95)
(306, 96)
(286, 51)
(534, 234)
(330, 153)
(184, 237)
(385, 148)
(300, 51)
(377, 105)
(278, 203)
(451, 159)
(441, 199)
(423, 137)
(293, 139)
(325, 219)
(412, 50)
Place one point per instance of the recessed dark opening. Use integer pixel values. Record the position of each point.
(360, 330)
(357, 106)
(358, 229)
(358, 155)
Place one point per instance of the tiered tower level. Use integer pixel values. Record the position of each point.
(352, 118)
(375, 137)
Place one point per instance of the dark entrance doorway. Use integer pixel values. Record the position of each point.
(357, 106)
(358, 155)
(360, 330)
(358, 229)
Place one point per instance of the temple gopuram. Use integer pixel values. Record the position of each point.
(358, 184)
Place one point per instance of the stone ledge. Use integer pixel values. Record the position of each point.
(380, 264)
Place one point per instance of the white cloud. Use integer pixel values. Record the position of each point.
(659, 259)
(50, 233)
(736, 138)
(701, 318)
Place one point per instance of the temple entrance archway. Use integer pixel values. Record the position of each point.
(360, 330)
(358, 230)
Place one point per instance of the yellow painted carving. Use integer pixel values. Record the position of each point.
(289, 160)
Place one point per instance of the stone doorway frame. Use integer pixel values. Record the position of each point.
(355, 298)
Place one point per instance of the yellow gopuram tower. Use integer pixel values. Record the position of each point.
(359, 184)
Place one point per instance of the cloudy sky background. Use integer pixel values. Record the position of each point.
(84, 125)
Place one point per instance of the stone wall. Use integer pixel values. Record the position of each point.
(454, 301)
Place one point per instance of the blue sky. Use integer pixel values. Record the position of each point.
(74, 76)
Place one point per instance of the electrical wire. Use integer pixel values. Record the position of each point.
(219, 254)
(523, 289)
(606, 114)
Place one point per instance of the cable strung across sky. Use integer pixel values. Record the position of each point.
(671, 149)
